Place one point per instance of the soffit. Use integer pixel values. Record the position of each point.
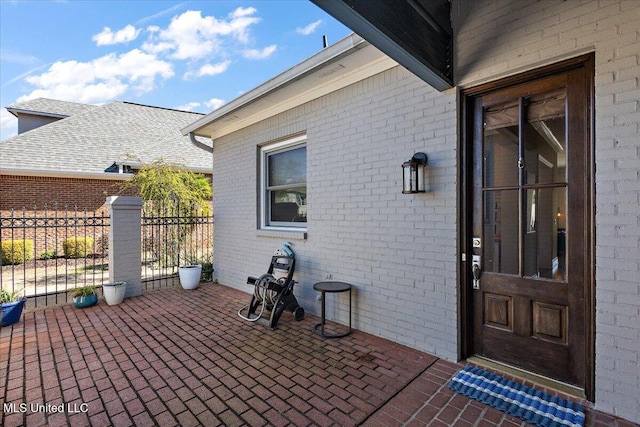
(347, 62)
(416, 33)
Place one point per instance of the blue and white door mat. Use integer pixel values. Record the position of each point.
(530, 405)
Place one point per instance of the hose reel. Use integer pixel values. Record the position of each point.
(274, 293)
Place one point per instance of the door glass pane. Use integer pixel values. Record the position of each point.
(545, 154)
(501, 231)
(545, 133)
(545, 238)
(501, 157)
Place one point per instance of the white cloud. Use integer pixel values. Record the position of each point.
(200, 45)
(259, 53)
(239, 25)
(212, 104)
(100, 80)
(157, 47)
(8, 125)
(309, 29)
(190, 106)
(108, 37)
(192, 36)
(208, 70)
(243, 11)
(215, 103)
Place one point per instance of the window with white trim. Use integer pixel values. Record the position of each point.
(284, 184)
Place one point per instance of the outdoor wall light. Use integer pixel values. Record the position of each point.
(413, 174)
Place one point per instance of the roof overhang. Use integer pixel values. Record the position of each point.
(348, 61)
(416, 33)
(66, 174)
(17, 111)
(136, 164)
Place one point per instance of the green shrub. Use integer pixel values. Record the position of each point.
(207, 272)
(84, 291)
(16, 251)
(7, 296)
(77, 247)
(48, 255)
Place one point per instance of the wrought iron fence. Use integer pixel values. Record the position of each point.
(37, 260)
(172, 237)
(47, 253)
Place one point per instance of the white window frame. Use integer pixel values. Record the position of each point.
(289, 144)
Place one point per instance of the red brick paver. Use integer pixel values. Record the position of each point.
(176, 357)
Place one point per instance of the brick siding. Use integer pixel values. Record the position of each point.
(56, 198)
(17, 192)
(30, 196)
(398, 250)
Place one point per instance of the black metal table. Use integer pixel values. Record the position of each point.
(331, 287)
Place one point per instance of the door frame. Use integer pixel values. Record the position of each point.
(465, 213)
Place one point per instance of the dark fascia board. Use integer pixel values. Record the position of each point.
(377, 22)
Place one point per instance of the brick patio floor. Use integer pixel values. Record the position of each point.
(175, 357)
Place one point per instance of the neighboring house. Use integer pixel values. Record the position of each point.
(41, 111)
(76, 155)
(533, 168)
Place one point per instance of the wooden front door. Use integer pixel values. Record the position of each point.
(529, 226)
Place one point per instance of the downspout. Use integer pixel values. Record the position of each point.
(208, 149)
(199, 144)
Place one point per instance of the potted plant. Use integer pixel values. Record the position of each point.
(11, 306)
(207, 272)
(114, 292)
(190, 276)
(84, 296)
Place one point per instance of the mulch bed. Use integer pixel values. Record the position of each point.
(90, 261)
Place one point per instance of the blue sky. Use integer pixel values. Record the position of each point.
(190, 55)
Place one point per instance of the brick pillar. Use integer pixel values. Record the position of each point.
(125, 239)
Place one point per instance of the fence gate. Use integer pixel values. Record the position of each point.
(172, 237)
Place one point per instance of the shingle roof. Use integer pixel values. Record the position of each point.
(50, 107)
(91, 141)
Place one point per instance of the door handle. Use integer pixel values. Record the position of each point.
(476, 270)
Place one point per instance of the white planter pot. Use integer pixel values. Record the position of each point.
(190, 276)
(114, 292)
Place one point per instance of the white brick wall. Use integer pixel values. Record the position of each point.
(497, 38)
(400, 251)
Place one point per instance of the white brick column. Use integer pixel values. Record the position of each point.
(125, 239)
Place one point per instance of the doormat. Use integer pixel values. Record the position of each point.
(530, 405)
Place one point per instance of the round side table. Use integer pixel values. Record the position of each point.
(331, 287)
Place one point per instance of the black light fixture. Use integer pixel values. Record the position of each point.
(413, 174)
